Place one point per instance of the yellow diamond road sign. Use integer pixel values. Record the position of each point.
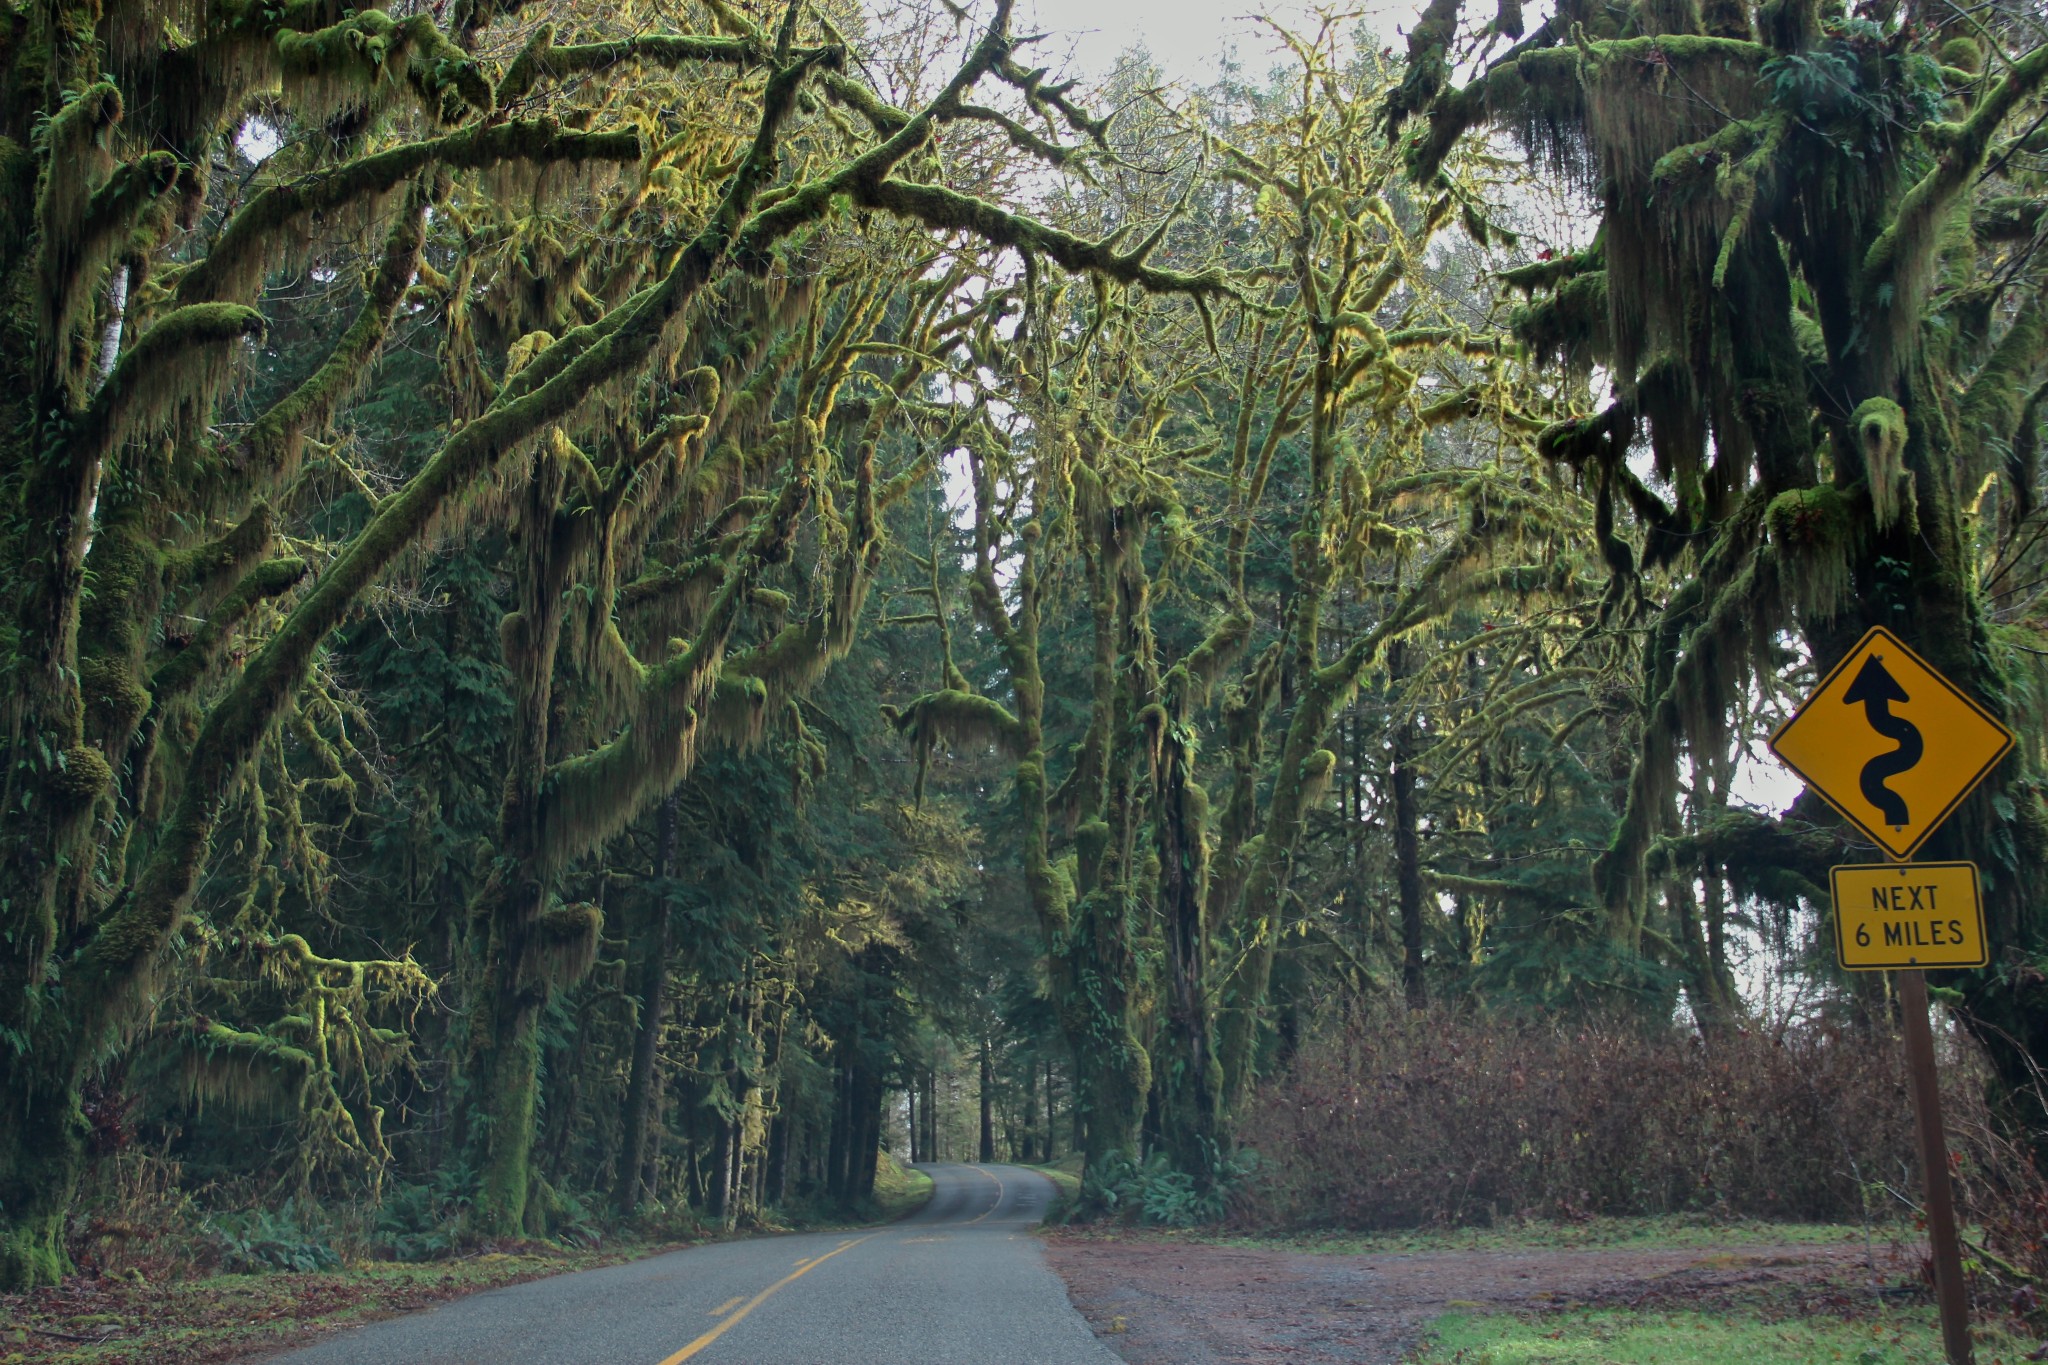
(1905, 916)
(1890, 743)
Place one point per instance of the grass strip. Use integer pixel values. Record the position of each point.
(1622, 1337)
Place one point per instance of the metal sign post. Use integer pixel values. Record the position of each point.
(1949, 1290)
(1894, 746)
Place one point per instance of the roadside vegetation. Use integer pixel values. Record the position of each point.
(1679, 1338)
(200, 1317)
(899, 1191)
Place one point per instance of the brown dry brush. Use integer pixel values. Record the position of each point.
(1446, 1118)
(2002, 1195)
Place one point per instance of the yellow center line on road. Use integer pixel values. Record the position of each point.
(726, 1307)
(999, 1192)
(805, 1267)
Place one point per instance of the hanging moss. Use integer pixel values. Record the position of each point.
(1316, 771)
(1548, 275)
(235, 266)
(563, 945)
(1815, 531)
(1428, 68)
(1190, 681)
(1707, 643)
(75, 160)
(1898, 268)
(179, 363)
(1879, 427)
(247, 1073)
(1570, 328)
(737, 715)
(116, 699)
(962, 719)
(360, 62)
(74, 257)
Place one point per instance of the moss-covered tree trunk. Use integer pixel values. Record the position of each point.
(1303, 766)
(1407, 818)
(1103, 984)
(1189, 1075)
(526, 953)
(986, 1151)
(2003, 827)
(643, 1084)
(42, 1155)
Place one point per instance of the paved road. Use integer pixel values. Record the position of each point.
(962, 1280)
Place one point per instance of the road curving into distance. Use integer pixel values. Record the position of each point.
(960, 1280)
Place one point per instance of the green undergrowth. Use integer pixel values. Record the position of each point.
(899, 1190)
(1065, 1174)
(1618, 1337)
(1674, 1232)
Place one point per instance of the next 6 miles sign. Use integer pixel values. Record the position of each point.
(1908, 914)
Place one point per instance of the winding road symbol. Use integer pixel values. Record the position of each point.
(1889, 742)
(1876, 689)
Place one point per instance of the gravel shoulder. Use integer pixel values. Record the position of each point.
(1162, 1300)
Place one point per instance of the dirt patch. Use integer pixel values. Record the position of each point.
(1157, 1300)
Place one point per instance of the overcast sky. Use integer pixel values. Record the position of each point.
(1185, 36)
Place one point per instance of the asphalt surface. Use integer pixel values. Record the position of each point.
(960, 1280)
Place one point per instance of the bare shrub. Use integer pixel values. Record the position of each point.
(135, 1217)
(1399, 1120)
(2002, 1199)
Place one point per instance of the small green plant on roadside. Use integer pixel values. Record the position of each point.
(417, 1222)
(257, 1240)
(1163, 1196)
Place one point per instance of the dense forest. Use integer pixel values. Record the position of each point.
(612, 610)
